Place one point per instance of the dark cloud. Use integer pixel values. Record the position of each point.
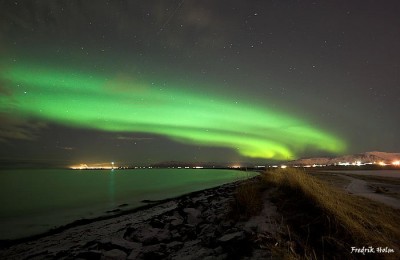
(12, 127)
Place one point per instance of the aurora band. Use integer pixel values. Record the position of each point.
(123, 104)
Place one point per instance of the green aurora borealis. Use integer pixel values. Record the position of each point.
(123, 104)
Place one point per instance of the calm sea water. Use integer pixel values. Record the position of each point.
(34, 201)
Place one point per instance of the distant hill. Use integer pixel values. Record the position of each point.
(365, 158)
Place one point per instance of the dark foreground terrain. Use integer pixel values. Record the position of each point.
(285, 214)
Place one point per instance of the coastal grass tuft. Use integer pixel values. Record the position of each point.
(247, 201)
(327, 219)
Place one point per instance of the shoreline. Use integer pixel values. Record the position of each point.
(30, 211)
(113, 213)
(186, 221)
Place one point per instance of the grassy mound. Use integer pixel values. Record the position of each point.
(328, 221)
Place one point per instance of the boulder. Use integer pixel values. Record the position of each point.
(174, 245)
(193, 216)
(119, 243)
(175, 235)
(231, 237)
(151, 235)
(91, 254)
(136, 251)
(157, 223)
(154, 252)
(176, 222)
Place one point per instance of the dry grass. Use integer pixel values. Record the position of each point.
(346, 220)
(247, 201)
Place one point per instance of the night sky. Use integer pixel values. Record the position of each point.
(197, 81)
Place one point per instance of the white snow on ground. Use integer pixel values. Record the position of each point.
(361, 188)
(382, 173)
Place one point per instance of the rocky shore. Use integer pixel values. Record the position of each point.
(193, 226)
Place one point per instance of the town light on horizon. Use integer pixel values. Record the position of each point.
(94, 166)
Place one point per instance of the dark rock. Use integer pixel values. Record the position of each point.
(223, 257)
(209, 216)
(175, 235)
(135, 253)
(220, 216)
(114, 254)
(188, 232)
(193, 215)
(192, 243)
(219, 250)
(261, 254)
(208, 241)
(92, 245)
(147, 249)
(207, 229)
(227, 224)
(157, 223)
(148, 235)
(228, 238)
(211, 257)
(236, 245)
(175, 245)
(192, 252)
(176, 222)
(63, 253)
(207, 235)
(89, 255)
(154, 252)
(203, 253)
(233, 230)
(164, 236)
(118, 243)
